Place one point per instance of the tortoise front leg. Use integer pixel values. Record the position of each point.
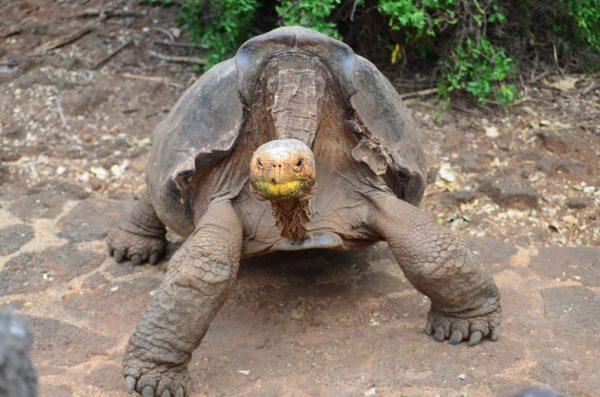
(465, 302)
(141, 235)
(198, 279)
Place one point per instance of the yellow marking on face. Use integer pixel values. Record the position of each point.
(283, 189)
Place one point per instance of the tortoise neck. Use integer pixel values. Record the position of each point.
(291, 217)
(296, 83)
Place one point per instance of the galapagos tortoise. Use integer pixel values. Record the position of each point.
(295, 143)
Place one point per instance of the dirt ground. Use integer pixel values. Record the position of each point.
(81, 88)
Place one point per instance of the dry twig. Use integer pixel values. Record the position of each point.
(60, 113)
(154, 79)
(107, 58)
(92, 12)
(66, 39)
(421, 93)
(177, 59)
(176, 44)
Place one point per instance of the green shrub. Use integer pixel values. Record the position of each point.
(220, 26)
(587, 16)
(470, 46)
(481, 69)
(309, 13)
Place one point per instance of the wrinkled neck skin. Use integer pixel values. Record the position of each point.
(295, 85)
(291, 217)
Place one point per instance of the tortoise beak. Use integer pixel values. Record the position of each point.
(282, 169)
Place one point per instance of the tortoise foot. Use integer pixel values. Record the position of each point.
(463, 328)
(155, 380)
(139, 248)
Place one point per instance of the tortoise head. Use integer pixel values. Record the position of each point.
(283, 169)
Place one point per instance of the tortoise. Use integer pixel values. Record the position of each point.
(295, 143)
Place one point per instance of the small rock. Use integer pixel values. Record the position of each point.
(297, 314)
(462, 196)
(555, 227)
(446, 173)
(244, 372)
(116, 170)
(577, 202)
(95, 183)
(462, 376)
(509, 191)
(84, 100)
(570, 219)
(99, 172)
(373, 323)
(15, 131)
(492, 132)
(371, 392)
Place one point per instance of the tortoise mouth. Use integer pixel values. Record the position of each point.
(282, 169)
(280, 191)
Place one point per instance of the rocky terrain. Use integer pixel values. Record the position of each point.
(82, 84)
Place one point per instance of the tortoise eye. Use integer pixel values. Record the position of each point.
(299, 163)
(259, 163)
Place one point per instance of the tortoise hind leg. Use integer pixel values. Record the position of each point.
(198, 280)
(465, 302)
(140, 237)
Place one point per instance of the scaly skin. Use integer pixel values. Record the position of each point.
(465, 302)
(199, 278)
(141, 237)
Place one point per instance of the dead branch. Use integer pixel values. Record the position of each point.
(60, 113)
(421, 93)
(12, 32)
(93, 12)
(66, 39)
(539, 77)
(108, 57)
(590, 87)
(177, 59)
(154, 79)
(176, 44)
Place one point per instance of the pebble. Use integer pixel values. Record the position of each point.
(371, 392)
(492, 132)
(446, 173)
(297, 314)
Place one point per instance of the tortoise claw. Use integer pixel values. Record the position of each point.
(136, 260)
(456, 337)
(475, 338)
(153, 259)
(148, 391)
(439, 334)
(130, 384)
(119, 256)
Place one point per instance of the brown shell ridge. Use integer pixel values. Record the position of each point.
(251, 56)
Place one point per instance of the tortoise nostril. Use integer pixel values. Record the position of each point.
(273, 180)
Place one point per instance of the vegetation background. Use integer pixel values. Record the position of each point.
(485, 48)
